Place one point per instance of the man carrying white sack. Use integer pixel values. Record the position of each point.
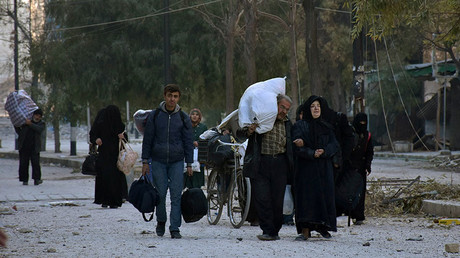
(268, 162)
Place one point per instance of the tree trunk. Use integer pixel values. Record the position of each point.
(229, 38)
(57, 137)
(337, 94)
(311, 48)
(293, 58)
(250, 17)
(229, 57)
(454, 114)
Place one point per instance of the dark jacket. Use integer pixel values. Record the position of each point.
(363, 153)
(167, 138)
(253, 152)
(34, 128)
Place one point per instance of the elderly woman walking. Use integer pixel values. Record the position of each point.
(315, 145)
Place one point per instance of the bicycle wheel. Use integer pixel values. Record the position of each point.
(215, 204)
(239, 199)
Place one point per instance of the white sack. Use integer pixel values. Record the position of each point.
(258, 104)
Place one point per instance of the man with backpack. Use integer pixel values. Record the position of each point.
(167, 142)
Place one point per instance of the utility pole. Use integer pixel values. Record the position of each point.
(16, 62)
(358, 72)
(16, 43)
(166, 43)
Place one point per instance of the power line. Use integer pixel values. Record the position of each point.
(381, 95)
(135, 18)
(399, 94)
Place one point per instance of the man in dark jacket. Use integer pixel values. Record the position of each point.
(268, 162)
(29, 146)
(167, 141)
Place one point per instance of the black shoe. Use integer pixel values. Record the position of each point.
(37, 182)
(104, 206)
(301, 237)
(254, 223)
(175, 234)
(113, 207)
(25, 183)
(325, 234)
(267, 237)
(160, 228)
(358, 222)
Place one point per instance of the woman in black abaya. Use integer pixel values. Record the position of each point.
(106, 131)
(315, 144)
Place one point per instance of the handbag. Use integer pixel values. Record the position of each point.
(127, 157)
(144, 196)
(89, 165)
(288, 204)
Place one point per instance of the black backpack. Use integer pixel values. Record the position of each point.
(144, 197)
(194, 205)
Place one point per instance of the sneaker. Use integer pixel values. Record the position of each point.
(175, 234)
(25, 183)
(160, 230)
(37, 182)
(267, 237)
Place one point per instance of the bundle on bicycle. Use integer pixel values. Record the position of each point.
(226, 184)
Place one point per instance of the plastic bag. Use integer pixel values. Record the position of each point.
(127, 157)
(20, 107)
(258, 104)
(288, 204)
(140, 119)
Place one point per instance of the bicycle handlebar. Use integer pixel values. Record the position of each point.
(230, 144)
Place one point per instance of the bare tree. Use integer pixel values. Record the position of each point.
(226, 23)
(250, 17)
(290, 27)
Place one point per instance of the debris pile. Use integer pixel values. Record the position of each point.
(394, 196)
(446, 162)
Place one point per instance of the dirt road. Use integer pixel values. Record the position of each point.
(78, 228)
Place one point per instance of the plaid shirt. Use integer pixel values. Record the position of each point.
(274, 141)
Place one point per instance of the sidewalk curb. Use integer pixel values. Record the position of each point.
(71, 162)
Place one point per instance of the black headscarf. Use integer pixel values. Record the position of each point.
(110, 117)
(298, 111)
(316, 126)
(327, 113)
(359, 127)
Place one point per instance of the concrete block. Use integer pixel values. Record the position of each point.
(442, 208)
(403, 146)
(452, 248)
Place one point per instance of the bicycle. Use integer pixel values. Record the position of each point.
(228, 186)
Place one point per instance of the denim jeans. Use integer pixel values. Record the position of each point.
(170, 176)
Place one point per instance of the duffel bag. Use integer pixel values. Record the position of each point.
(194, 205)
(144, 196)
